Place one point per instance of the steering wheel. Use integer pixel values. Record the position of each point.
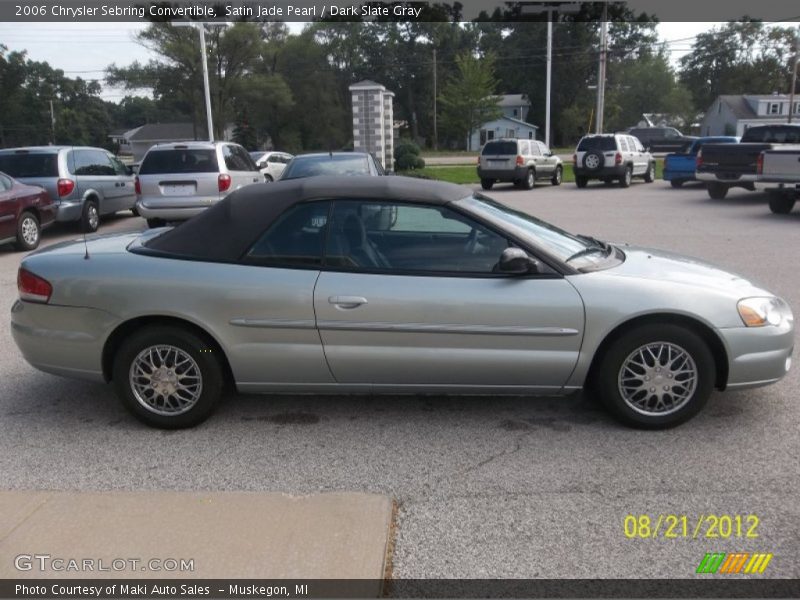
(472, 241)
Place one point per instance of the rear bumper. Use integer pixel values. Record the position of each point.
(757, 355)
(62, 340)
(673, 175)
(729, 178)
(174, 210)
(503, 174)
(612, 171)
(69, 210)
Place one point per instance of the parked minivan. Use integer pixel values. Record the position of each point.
(86, 183)
(178, 180)
(519, 161)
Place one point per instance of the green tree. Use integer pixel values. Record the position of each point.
(467, 99)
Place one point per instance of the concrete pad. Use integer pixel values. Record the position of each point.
(225, 534)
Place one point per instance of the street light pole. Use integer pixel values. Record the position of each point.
(794, 73)
(204, 62)
(601, 75)
(549, 75)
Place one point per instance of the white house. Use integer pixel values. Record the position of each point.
(511, 124)
(733, 114)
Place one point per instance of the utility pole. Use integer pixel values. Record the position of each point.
(794, 73)
(52, 124)
(601, 75)
(435, 130)
(549, 76)
(206, 87)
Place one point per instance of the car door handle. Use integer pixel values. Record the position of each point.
(347, 301)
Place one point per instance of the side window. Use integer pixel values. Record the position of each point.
(119, 168)
(295, 239)
(544, 149)
(623, 144)
(243, 158)
(232, 161)
(91, 162)
(409, 238)
(637, 145)
(535, 150)
(5, 183)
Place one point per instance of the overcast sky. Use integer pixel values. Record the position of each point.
(86, 49)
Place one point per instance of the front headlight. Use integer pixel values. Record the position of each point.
(759, 312)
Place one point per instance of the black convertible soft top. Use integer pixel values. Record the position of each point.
(225, 231)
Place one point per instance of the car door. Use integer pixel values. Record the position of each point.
(8, 209)
(408, 299)
(548, 160)
(94, 174)
(241, 167)
(124, 188)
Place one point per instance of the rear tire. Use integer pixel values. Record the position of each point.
(676, 183)
(625, 179)
(530, 180)
(581, 181)
(29, 232)
(155, 223)
(168, 377)
(90, 216)
(558, 176)
(650, 174)
(134, 211)
(636, 376)
(781, 204)
(268, 178)
(717, 191)
(487, 184)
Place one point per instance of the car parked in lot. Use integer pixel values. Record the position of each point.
(521, 162)
(391, 285)
(181, 179)
(662, 139)
(333, 163)
(24, 211)
(85, 183)
(612, 157)
(679, 167)
(271, 164)
(780, 166)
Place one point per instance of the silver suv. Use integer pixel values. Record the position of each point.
(181, 179)
(612, 157)
(521, 162)
(84, 182)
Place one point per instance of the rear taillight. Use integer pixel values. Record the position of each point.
(760, 164)
(698, 162)
(618, 158)
(223, 182)
(520, 161)
(32, 287)
(575, 159)
(65, 187)
(137, 186)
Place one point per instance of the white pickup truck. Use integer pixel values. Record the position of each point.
(780, 166)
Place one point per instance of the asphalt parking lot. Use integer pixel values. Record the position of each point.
(495, 488)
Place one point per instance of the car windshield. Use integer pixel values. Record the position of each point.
(500, 148)
(333, 164)
(179, 160)
(556, 242)
(39, 164)
(597, 143)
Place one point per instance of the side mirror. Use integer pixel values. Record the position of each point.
(515, 261)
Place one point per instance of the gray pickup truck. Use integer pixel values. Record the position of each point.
(782, 167)
(723, 166)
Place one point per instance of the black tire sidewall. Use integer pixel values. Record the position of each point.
(85, 224)
(21, 243)
(607, 373)
(200, 350)
(530, 180)
(581, 182)
(625, 179)
(650, 174)
(558, 176)
(487, 184)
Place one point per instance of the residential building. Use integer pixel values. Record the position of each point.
(373, 121)
(733, 114)
(511, 124)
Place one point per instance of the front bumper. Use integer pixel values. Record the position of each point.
(758, 355)
(62, 340)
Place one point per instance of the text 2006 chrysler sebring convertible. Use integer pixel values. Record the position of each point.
(387, 284)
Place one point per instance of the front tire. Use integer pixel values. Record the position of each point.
(168, 377)
(558, 176)
(781, 204)
(29, 232)
(268, 178)
(90, 216)
(655, 376)
(487, 184)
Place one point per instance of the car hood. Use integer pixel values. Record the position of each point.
(666, 267)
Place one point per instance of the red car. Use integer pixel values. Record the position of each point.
(24, 211)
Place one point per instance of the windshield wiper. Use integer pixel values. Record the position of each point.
(595, 242)
(596, 246)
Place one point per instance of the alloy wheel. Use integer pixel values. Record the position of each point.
(30, 231)
(165, 380)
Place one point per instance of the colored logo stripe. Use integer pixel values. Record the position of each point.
(734, 563)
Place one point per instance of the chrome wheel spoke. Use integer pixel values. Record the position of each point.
(165, 380)
(657, 378)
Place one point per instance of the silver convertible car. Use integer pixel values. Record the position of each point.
(391, 285)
